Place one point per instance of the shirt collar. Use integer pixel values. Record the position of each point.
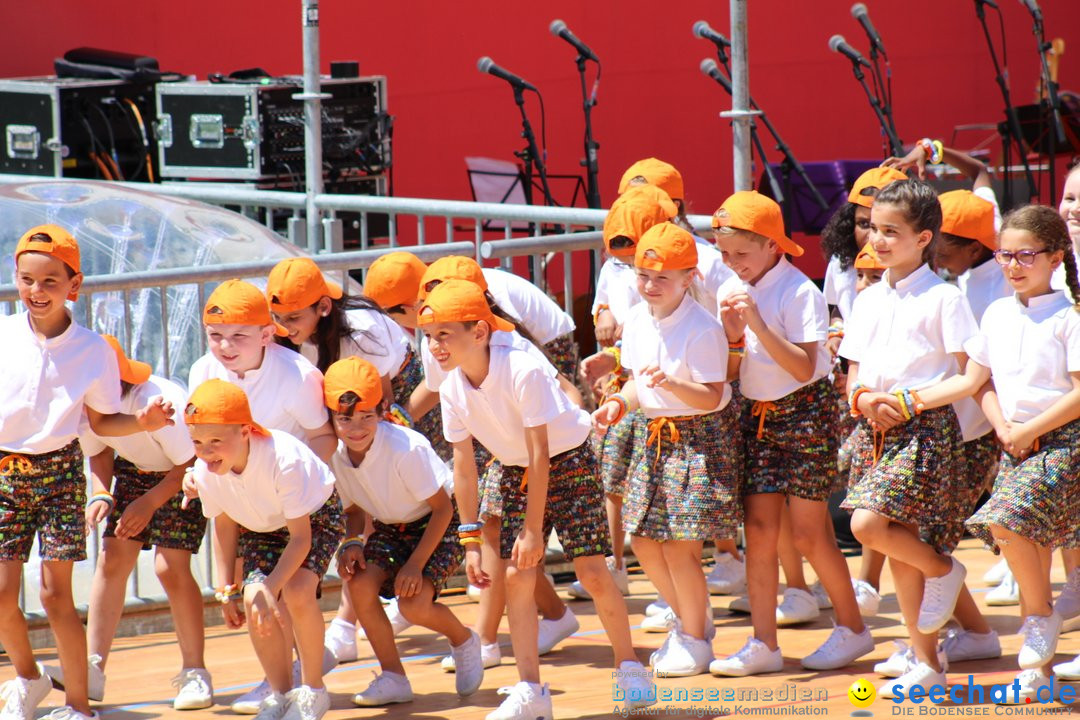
(923, 275)
(986, 271)
(250, 376)
(773, 275)
(1043, 301)
(677, 316)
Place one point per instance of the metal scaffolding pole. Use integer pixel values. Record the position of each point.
(312, 97)
(740, 114)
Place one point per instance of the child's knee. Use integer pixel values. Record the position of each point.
(867, 527)
(591, 573)
(56, 599)
(415, 606)
(299, 591)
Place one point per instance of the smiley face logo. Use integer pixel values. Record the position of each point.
(861, 693)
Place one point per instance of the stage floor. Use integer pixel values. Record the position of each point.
(579, 671)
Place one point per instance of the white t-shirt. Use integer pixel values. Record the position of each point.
(435, 375)
(517, 393)
(538, 313)
(904, 337)
(1030, 352)
(714, 273)
(983, 285)
(44, 384)
(285, 392)
(793, 307)
(157, 451)
(839, 286)
(283, 480)
(386, 347)
(616, 287)
(396, 477)
(689, 344)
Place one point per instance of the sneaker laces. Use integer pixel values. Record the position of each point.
(188, 678)
(834, 639)
(67, 713)
(304, 698)
(1034, 628)
(270, 707)
(515, 698)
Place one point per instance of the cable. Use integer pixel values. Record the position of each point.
(145, 137)
(112, 157)
(543, 129)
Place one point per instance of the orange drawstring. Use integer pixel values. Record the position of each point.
(656, 431)
(879, 444)
(524, 475)
(1035, 445)
(758, 410)
(12, 462)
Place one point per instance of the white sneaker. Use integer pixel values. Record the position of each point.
(728, 575)
(740, 604)
(341, 640)
(798, 606)
(473, 593)
(657, 655)
(1031, 681)
(921, 674)
(385, 689)
(635, 682)
(902, 660)
(95, 677)
(69, 713)
(662, 622)
(686, 655)
(1005, 594)
(393, 614)
(996, 574)
(551, 632)
(1068, 670)
(840, 649)
(468, 665)
(307, 703)
(1067, 604)
(824, 602)
(621, 578)
(656, 607)
(194, 691)
(273, 707)
(939, 598)
(1040, 640)
(753, 658)
(868, 599)
(524, 701)
(961, 645)
(22, 696)
(490, 656)
(249, 702)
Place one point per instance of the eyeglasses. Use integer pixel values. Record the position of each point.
(1024, 258)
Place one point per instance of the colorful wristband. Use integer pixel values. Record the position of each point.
(853, 400)
(469, 540)
(899, 395)
(397, 415)
(228, 593)
(624, 406)
(469, 527)
(615, 352)
(102, 497)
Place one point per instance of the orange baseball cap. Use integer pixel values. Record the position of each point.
(751, 211)
(131, 371)
(394, 279)
(297, 283)
(657, 172)
(217, 402)
(352, 374)
(459, 301)
(57, 242)
(868, 259)
(634, 212)
(235, 302)
(876, 178)
(966, 215)
(451, 267)
(666, 247)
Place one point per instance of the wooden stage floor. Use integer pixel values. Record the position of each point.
(579, 671)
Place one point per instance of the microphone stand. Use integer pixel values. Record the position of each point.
(884, 93)
(895, 148)
(592, 167)
(1057, 132)
(1010, 129)
(530, 155)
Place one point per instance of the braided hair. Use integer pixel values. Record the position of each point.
(1049, 229)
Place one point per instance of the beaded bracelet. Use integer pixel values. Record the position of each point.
(853, 399)
(469, 527)
(228, 593)
(918, 402)
(102, 497)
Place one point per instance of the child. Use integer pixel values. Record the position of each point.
(53, 370)
(776, 320)
(1030, 346)
(142, 509)
(391, 473)
(901, 476)
(506, 400)
(273, 500)
(683, 488)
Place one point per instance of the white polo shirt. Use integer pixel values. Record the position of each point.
(793, 307)
(616, 287)
(45, 383)
(904, 337)
(983, 285)
(283, 480)
(538, 313)
(689, 344)
(839, 286)
(1030, 352)
(375, 338)
(435, 375)
(157, 451)
(714, 273)
(517, 393)
(285, 392)
(397, 476)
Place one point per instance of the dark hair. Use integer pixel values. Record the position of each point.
(1052, 233)
(334, 327)
(962, 242)
(46, 237)
(348, 401)
(125, 388)
(838, 236)
(919, 204)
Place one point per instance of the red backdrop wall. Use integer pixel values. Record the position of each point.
(653, 100)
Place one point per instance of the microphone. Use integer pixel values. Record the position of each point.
(838, 44)
(1033, 8)
(860, 13)
(487, 65)
(709, 68)
(558, 29)
(703, 31)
